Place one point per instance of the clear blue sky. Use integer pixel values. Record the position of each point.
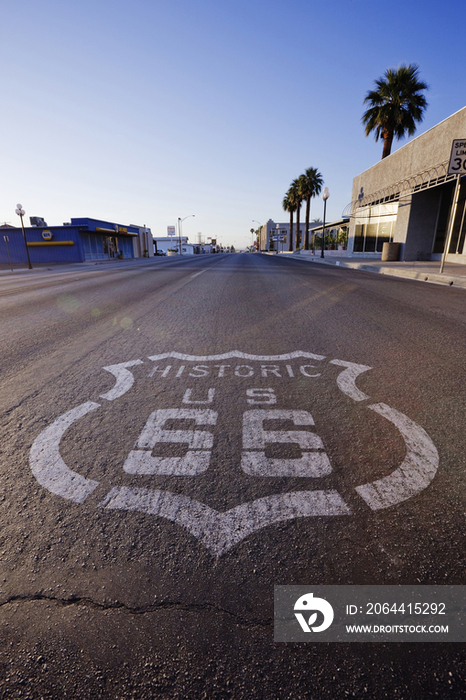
(143, 111)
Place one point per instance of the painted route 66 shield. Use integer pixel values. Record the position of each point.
(229, 444)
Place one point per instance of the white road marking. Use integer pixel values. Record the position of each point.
(415, 472)
(258, 396)
(49, 468)
(310, 464)
(124, 379)
(188, 393)
(198, 273)
(303, 369)
(163, 372)
(193, 463)
(256, 438)
(346, 379)
(219, 532)
(235, 353)
(153, 432)
(196, 461)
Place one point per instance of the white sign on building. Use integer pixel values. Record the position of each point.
(457, 164)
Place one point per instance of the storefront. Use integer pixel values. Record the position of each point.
(77, 241)
(407, 198)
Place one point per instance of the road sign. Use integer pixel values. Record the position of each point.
(457, 165)
(171, 231)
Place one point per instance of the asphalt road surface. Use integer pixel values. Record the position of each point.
(179, 437)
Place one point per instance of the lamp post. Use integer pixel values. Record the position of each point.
(180, 221)
(20, 211)
(325, 196)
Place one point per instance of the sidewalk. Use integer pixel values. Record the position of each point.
(424, 271)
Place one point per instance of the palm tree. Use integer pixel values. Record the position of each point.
(311, 185)
(297, 189)
(289, 205)
(395, 105)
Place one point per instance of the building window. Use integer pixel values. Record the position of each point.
(371, 238)
(459, 226)
(384, 234)
(446, 199)
(376, 227)
(359, 239)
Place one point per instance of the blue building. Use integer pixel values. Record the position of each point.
(76, 241)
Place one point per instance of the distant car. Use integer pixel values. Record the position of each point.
(160, 252)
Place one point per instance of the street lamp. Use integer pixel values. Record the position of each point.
(20, 211)
(278, 235)
(325, 196)
(180, 221)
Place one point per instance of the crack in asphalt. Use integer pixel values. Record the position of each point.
(136, 610)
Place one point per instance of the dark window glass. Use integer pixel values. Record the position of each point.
(371, 237)
(359, 238)
(457, 237)
(463, 223)
(444, 213)
(384, 234)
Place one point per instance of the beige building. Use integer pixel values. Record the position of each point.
(407, 198)
(269, 232)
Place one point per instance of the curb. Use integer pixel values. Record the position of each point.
(425, 275)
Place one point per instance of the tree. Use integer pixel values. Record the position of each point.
(297, 192)
(312, 182)
(289, 205)
(256, 232)
(395, 105)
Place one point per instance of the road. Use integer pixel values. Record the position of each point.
(149, 504)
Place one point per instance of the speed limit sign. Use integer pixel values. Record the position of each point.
(457, 164)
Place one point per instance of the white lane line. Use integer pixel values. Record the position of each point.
(415, 472)
(346, 379)
(124, 379)
(218, 532)
(49, 468)
(241, 355)
(197, 274)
